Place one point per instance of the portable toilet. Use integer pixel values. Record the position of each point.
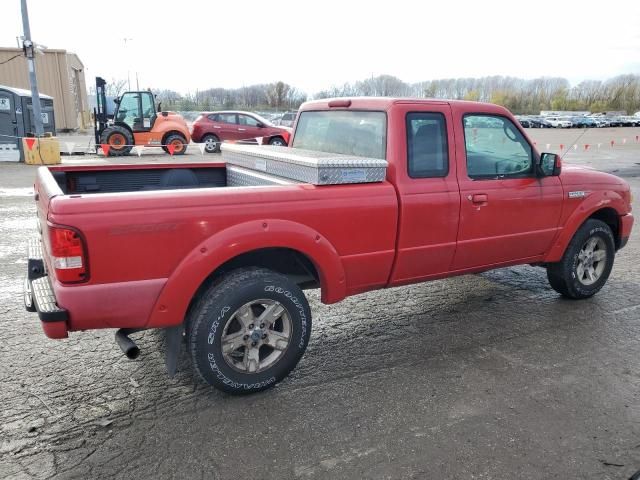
(16, 120)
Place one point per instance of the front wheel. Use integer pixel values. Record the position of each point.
(587, 262)
(177, 142)
(277, 142)
(211, 143)
(249, 330)
(119, 139)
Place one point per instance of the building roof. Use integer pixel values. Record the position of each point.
(22, 92)
(19, 49)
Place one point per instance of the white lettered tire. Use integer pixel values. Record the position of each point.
(248, 330)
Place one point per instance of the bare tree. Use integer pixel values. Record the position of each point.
(115, 87)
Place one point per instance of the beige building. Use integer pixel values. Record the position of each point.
(60, 74)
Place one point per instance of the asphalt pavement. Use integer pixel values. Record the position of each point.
(490, 376)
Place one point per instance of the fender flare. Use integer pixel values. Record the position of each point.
(170, 131)
(165, 127)
(595, 201)
(174, 299)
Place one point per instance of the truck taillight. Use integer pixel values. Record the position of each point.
(68, 255)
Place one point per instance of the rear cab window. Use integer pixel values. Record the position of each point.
(348, 132)
(427, 149)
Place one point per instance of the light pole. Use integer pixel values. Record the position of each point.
(128, 62)
(29, 51)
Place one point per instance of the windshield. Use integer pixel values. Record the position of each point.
(359, 133)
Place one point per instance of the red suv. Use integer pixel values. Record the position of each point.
(212, 128)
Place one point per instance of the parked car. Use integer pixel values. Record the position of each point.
(524, 121)
(583, 122)
(287, 119)
(559, 122)
(600, 121)
(539, 122)
(212, 128)
(222, 270)
(483, 122)
(614, 121)
(630, 121)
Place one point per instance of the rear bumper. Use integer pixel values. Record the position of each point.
(68, 308)
(39, 297)
(196, 134)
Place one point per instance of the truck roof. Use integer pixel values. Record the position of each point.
(385, 103)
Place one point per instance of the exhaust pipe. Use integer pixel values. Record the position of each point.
(127, 345)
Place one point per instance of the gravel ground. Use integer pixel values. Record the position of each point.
(486, 376)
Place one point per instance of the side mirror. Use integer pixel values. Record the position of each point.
(260, 125)
(549, 165)
(116, 100)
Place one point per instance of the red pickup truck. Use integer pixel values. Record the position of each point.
(223, 269)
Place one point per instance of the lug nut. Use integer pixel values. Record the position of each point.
(262, 325)
(246, 337)
(264, 335)
(251, 325)
(253, 344)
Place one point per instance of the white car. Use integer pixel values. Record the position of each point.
(559, 122)
(286, 120)
(630, 121)
(601, 122)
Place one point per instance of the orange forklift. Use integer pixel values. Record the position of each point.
(136, 121)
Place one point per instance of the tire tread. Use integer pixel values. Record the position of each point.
(213, 296)
(559, 274)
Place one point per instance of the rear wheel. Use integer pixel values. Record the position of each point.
(211, 143)
(119, 139)
(249, 330)
(278, 142)
(587, 262)
(177, 142)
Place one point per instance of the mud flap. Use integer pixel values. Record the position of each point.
(173, 340)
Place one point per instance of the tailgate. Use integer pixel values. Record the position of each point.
(45, 188)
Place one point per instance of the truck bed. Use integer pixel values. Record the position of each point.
(134, 178)
(142, 224)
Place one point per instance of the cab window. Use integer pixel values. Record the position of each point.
(495, 148)
(148, 110)
(227, 118)
(129, 109)
(247, 120)
(427, 154)
(351, 132)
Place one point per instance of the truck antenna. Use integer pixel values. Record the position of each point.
(574, 142)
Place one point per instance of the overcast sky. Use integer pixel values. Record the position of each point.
(196, 44)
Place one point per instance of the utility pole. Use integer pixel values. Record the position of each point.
(29, 51)
(128, 63)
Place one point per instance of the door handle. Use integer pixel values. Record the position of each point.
(242, 129)
(215, 126)
(479, 198)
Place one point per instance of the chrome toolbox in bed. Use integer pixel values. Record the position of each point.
(318, 168)
(243, 177)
